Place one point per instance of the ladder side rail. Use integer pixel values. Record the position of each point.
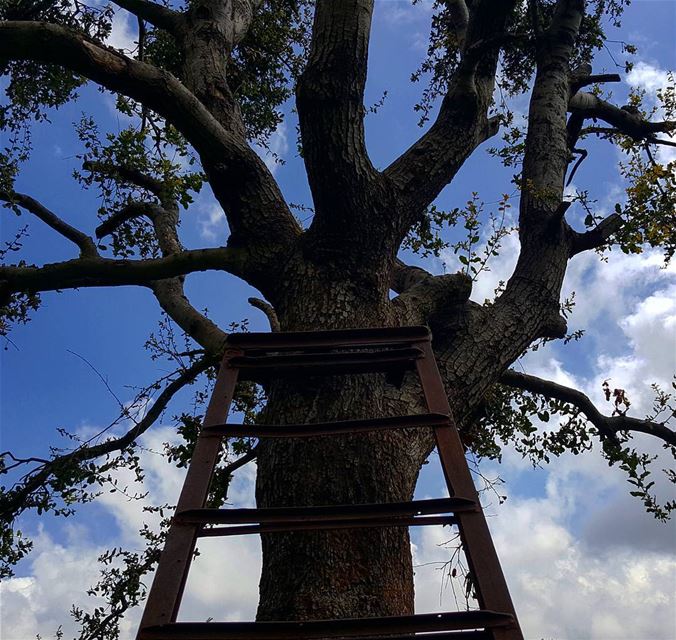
(482, 558)
(164, 597)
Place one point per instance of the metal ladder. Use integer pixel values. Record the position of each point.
(261, 356)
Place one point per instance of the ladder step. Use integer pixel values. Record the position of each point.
(344, 338)
(444, 635)
(428, 420)
(349, 628)
(263, 367)
(181, 631)
(275, 519)
(326, 525)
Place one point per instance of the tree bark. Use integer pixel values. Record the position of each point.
(347, 573)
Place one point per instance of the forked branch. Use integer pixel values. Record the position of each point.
(99, 272)
(607, 426)
(241, 182)
(624, 120)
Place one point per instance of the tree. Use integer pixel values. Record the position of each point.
(204, 86)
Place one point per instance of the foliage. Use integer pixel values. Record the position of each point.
(164, 158)
(521, 420)
(518, 48)
(34, 89)
(122, 585)
(267, 62)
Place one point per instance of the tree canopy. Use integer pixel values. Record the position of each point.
(178, 128)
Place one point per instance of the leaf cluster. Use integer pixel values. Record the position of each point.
(121, 585)
(265, 65)
(35, 88)
(520, 420)
(164, 158)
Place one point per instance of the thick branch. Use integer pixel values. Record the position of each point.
(330, 96)
(82, 240)
(232, 17)
(17, 499)
(607, 426)
(405, 276)
(423, 170)
(128, 212)
(596, 237)
(100, 272)
(488, 338)
(460, 19)
(625, 121)
(547, 149)
(543, 232)
(171, 297)
(134, 176)
(211, 30)
(240, 180)
(156, 14)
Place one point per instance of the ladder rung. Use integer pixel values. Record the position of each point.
(429, 420)
(169, 632)
(328, 339)
(326, 525)
(350, 628)
(257, 367)
(443, 635)
(393, 514)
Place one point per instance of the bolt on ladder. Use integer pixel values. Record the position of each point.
(261, 356)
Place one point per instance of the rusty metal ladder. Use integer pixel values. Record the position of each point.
(261, 356)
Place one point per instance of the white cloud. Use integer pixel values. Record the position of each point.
(651, 78)
(631, 293)
(223, 582)
(60, 575)
(566, 591)
(403, 12)
(646, 76)
(567, 582)
(562, 586)
(123, 33)
(212, 222)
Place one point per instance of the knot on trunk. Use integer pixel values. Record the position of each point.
(555, 326)
(433, 296)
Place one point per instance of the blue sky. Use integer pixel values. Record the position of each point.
(582, 559)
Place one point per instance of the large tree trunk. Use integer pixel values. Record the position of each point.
(345, 573)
